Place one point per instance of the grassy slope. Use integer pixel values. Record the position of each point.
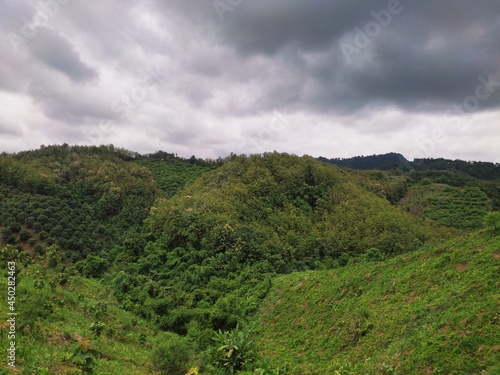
(434, 311)
(53, 323)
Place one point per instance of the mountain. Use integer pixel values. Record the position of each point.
(476, 169)
(383, 162)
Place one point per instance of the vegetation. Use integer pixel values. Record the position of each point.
(432, 311)
(381, 162)
(216, 247)
(157, 264)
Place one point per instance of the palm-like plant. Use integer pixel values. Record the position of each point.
(234, 350)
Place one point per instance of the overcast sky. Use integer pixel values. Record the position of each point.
(333, 78)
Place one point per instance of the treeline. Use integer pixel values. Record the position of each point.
(477, 169)
(110, 151)
(382, 162)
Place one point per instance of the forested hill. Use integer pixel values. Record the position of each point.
(192, 246)
(382, 162)
(477, 169)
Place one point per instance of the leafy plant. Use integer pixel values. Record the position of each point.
(85, 357)
(234, 350)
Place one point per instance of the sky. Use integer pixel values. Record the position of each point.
(332, 78)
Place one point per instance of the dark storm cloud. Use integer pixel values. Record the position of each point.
(57, 53)
(425, 56)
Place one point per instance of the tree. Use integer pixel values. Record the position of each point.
(24, 235)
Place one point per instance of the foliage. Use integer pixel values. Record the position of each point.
(387, 161)
(172, 356)
(234, 350)
(92, 266)
(217, 244)
(461, 208)
(54, 330)
(171, 174)
(492, 220)
(192, 246)
(434, 310)
(83, 199)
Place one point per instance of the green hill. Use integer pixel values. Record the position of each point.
(132, 263)
(433, 311)
(219, 242)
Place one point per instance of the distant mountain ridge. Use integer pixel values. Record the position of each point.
(392, 160)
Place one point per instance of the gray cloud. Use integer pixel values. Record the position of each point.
(10, 130)
(222, 68)
(57, 53)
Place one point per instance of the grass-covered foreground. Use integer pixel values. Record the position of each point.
(68, 324)
(434, 311)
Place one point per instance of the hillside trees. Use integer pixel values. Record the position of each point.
(84, 200)
(217, 244)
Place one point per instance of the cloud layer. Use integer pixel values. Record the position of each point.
(322, 77)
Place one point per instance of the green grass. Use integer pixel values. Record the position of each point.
(434, 311)
(54, 322)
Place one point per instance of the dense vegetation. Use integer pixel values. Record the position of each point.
(191, 247)
(382, 162)
(480, 170)
(217, 245)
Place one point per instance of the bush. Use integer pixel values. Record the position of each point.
(24, 235)
(14, 228)
(374, 255)
(43, 235)
(92, 267)
(172, 357)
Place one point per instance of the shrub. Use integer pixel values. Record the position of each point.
(92, 267)
(24, 235)
(43, 235)
(14, 228)
(172, 356)
(234, 350)
(425, 181)
(39, 250)
(374, 255)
